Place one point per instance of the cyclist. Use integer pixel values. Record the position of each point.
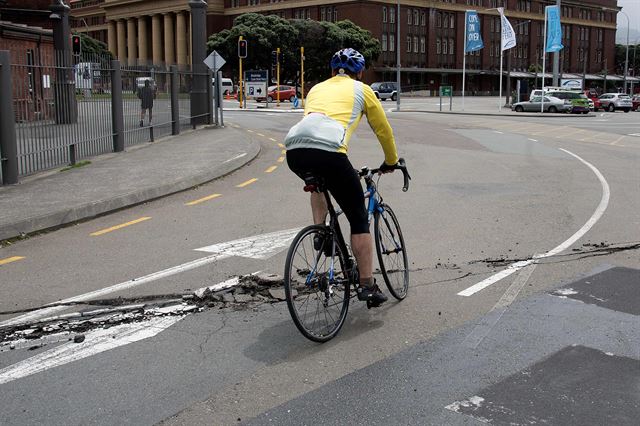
(318, 145)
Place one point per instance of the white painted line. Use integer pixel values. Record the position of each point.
(41, 313)
(256, 247)
(236, 157)
(634, 134)
(602, 206)
(481, 330)
(231, 282)
(532, 140)
(495, 131)
(96, 341)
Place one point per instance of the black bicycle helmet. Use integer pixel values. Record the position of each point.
(349, 59)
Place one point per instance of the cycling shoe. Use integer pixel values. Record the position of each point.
(372, 295)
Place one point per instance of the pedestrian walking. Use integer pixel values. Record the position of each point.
(146, 95)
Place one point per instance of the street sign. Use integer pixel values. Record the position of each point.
(445, 90)
(256, 84)
(214, 61)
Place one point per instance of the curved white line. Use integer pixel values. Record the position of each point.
(514, 267)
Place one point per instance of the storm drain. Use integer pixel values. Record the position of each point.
(617, 289)
(575, 386)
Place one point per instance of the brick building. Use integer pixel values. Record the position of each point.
(157, 31)
(30, 46)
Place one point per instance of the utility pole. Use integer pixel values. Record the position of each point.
(201, 82)
(556, 55)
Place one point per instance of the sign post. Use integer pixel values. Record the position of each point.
(242, 53)
(302, 74)
(214, 61)
(278, 77)
(446, 91)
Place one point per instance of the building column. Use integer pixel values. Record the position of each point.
(143, 42)
(132, 43)
(181, 38)
(156, 42)
(112, 39)
(169, 40)
(122, 41)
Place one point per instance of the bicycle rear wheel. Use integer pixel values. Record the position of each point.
(316, 285)
(392, 253)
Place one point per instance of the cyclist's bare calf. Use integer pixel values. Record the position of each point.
(362, 244)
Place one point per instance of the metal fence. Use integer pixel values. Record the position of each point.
(67, 113)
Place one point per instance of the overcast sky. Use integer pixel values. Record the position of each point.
(632, 9)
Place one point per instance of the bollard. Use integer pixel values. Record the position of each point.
(72, 154)
(117, 116)
(175, 105)
(8, 141)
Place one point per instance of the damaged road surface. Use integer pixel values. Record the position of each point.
(166, 321)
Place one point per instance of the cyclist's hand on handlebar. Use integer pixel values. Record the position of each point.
(385, 168)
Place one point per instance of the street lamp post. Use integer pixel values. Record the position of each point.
(626, 61)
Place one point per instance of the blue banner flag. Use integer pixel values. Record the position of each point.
(474, 39)
(554, 29)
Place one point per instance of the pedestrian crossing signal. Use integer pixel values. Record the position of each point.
(242, 48)
(75, 44)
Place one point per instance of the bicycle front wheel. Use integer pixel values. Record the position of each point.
(392, 252)
(316, 284)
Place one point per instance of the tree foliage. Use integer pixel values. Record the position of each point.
(266, 33)
(92, 48)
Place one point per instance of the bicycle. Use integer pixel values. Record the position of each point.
(320, 276)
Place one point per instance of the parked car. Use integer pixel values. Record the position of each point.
(385, 90)
(592, 95)
(635, 102)
(579, 102)
(616, 101)
(551, 104)
(287, 93)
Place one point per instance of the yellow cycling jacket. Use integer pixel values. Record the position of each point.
(333, 110)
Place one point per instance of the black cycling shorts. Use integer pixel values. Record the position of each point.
(341, 180)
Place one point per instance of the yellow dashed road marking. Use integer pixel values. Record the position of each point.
(249, 182)
(202, 200)
(123, 225)
(280, 145)
(284, 151)
(280, 160)
(270, 169)
(10, 259)
(273, 140)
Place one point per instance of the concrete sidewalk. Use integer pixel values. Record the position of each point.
(114, 181)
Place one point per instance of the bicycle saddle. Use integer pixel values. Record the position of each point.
(313, 183)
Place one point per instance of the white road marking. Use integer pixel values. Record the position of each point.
(96, 341)
(496, 131)
(236, 157)
(256, 247)
(259, 247)
(634, 134)
(532, 140)
(602, 206)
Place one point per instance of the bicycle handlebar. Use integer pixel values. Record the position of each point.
(401, 165)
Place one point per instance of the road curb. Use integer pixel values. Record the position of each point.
(497, 114)
(62, 217)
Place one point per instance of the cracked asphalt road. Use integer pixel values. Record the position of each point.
(477, 204)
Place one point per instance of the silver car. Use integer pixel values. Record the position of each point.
(615, 101)
(551, 104)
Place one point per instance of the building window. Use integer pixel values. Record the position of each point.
(438, 46)
(444, 46)
(452, 21)
(323, 14)
(450, 46)
(384, 14)
(392, 15)
(335, 14)
(423, 44)
(392, 43)
(235, 3)
(423, 19)
(415, 44)
(408, 43)
(445, 20)
(416, 17)
(384, 42)
(409, 16)
(439, 20)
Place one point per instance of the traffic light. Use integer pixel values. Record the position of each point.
(242, 48)
(274, 58)
(75, 44)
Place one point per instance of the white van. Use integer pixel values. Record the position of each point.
(227, 85)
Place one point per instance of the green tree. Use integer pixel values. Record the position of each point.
(93, 49)
(265, 33)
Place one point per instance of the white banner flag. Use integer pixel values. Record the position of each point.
(508, 35)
